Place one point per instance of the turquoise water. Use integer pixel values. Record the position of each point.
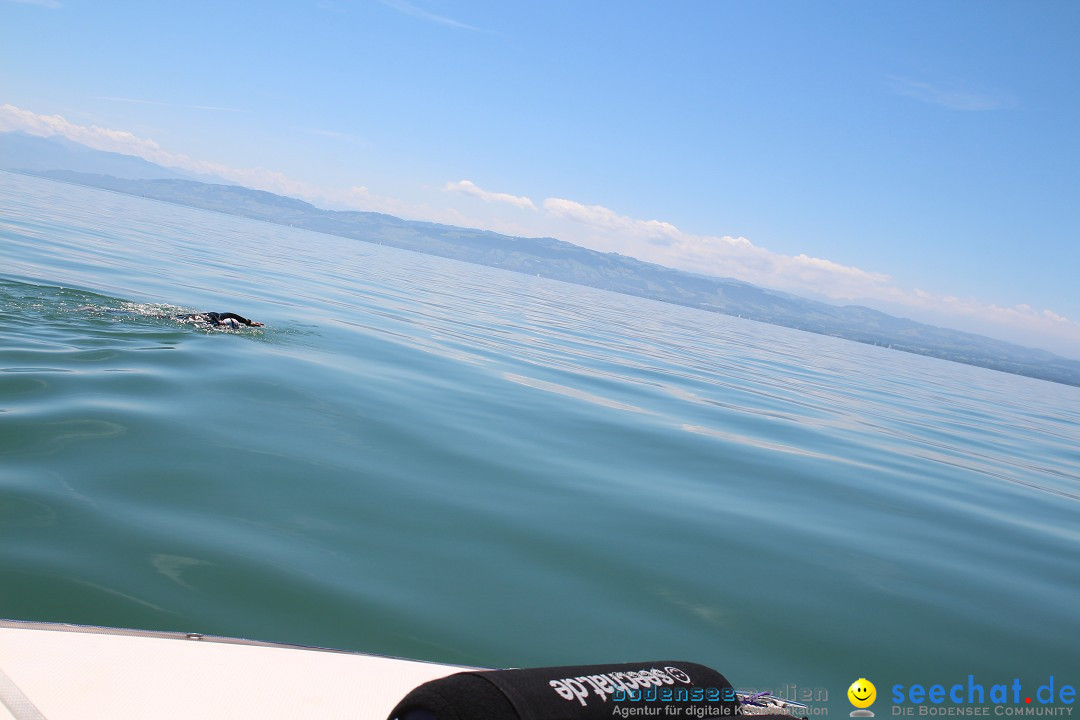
(437, 460)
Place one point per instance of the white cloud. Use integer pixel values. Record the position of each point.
(467, 187)
(601, 217)
(119, 141)
(1023, 323)
(953, 98)
(13, 118)
(408, 8)
(664, 243)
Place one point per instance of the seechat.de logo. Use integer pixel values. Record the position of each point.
(862, 695)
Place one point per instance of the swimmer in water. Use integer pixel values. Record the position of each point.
(221, 320)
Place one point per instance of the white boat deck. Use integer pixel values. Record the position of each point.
(64, 672)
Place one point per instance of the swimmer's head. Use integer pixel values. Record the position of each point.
(230, 323)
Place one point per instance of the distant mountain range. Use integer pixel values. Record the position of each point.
(70, 162)
(30, 153)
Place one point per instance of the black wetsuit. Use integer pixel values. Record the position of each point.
(215, 318)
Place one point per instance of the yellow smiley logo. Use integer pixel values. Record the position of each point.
(862, 693)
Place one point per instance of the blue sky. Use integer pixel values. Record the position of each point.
(918, 157)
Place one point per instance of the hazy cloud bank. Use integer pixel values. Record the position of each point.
(470, 188)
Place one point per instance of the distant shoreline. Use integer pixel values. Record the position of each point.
(564, 261)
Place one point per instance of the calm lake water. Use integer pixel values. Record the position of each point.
(437, 460)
